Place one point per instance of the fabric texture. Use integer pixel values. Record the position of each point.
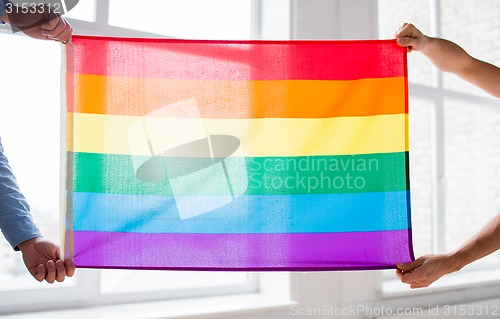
(237, 155)
(16, 222)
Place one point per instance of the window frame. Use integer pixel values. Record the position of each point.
(330, 288)
(436, 94)
(86, 289)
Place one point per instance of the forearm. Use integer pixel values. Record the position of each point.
(485, 242)
(450, 57)
(446, 55)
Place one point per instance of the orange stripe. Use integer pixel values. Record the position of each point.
(115, 95)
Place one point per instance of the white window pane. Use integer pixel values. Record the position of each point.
(84, 10)
(472, 154)
(420, 178)
(190, 19)
(474, 25)
(391, 15)
(131, 281)
(420, 174)
(198, 19)
(30, 130)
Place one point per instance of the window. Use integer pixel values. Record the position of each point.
(85, 11)
(30, 128)
(199, 19)
(452, 124)
(392, 14)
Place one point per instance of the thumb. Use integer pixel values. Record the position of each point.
(410, 266)
(404, 42)
(407, 41)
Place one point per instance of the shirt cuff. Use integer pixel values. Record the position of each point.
(2, 9)
(21, 231)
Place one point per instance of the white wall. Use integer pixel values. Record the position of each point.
(357, 19)
(334, 19)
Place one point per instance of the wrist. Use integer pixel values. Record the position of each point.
(30, 242)
(457, 260)
(426, 44)
(4, 18)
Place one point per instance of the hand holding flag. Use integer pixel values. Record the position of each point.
(42, 258)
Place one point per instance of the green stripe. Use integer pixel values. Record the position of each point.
(115, 174)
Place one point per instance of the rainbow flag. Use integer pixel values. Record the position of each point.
(237, 155)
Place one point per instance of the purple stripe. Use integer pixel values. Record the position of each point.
(299, 252)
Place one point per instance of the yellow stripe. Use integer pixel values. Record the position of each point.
(114, 134)
(115, 95)
(70, 124)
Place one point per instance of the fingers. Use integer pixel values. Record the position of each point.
(51, 272)
(65, 36)
(410, 37)
(57, 271)
(57, 29)
(405, 29)
(406, 267)
(416, 281)
(40, 273)
(60, 271)
(409, 273)
(410, 277)
(405, 42)
(417, 278)
(408, 43)
(399, 274)
(42, 259)
(63, 269)
(400, 28)
(51, 24)
(70, 268)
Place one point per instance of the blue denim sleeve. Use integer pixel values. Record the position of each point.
(2, 7)
(16, 222)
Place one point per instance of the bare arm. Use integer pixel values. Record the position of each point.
(450, 57)
(427, 269)
(485, 242)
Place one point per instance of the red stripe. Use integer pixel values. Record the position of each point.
(238, 60)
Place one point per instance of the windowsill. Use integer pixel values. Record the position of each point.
(460, 280)
(216, 307)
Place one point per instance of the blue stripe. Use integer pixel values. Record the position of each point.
(246, 214)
